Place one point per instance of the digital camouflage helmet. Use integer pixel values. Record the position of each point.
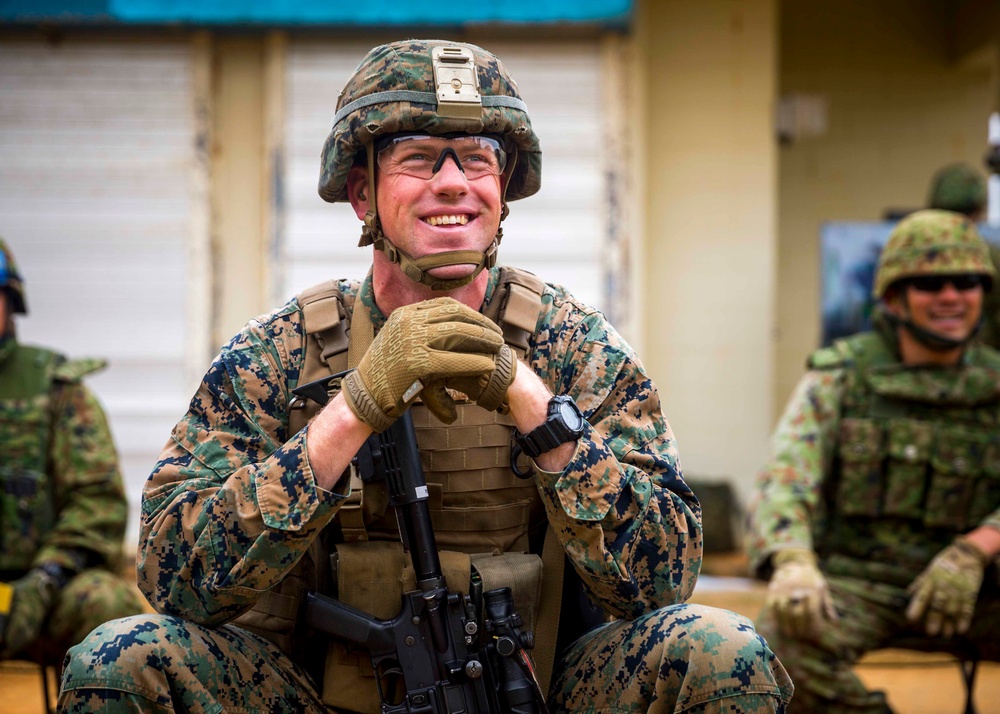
(958, 188)
(432, 87)
(10, 280)
(932, 242)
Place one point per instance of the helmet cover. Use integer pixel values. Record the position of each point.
(958, 188)
(932, 242)
(393, 90)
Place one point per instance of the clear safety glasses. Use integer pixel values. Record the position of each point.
(423, 155)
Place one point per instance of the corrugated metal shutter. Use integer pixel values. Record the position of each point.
(96, 154)
(557, 233)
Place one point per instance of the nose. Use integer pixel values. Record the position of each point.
(949, 291)
(449, 178)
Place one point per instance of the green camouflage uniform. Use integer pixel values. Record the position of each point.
(232, 505)
(877, 467)
(62, 501)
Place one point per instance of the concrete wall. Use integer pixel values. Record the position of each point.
(903, 98)
(710, 173)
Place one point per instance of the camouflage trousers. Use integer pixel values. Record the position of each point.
(871, 615)
(89, 599)
(686, 658)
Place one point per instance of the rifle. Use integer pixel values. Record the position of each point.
(445, 652)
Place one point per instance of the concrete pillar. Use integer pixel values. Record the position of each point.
(710, 243)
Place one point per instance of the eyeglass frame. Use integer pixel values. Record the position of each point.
(386, 142)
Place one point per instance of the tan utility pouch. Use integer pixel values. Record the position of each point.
(373, 577)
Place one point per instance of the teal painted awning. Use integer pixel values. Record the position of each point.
(313, 13)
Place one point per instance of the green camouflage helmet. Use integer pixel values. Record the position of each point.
(10, 279)
(958, 188)
(932, 242)
(393, 90)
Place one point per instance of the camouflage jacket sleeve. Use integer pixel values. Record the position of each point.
(627, 520)
(231, 505)
(91, 508)
(787, 506)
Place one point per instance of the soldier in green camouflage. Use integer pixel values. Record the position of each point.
(62, 504)
(959, 188)
(879, 511)
(251, 496)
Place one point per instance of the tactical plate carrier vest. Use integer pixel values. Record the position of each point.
(917, 459)
(29, 399)
(477, 504)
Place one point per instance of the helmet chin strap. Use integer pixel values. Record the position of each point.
(417, 269)
(931, 340)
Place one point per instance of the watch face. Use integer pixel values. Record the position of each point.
(571, 415)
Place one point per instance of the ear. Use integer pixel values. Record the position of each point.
(895, 300)
(357, 190)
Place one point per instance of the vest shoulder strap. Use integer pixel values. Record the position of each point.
(325, 323)
(516, 306)
(860, 351)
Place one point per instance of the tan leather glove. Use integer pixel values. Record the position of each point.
(487, 390)
(430, 341)
(945, 593)
(798, 594)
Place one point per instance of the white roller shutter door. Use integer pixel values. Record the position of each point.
(556, 234)
(96, 156)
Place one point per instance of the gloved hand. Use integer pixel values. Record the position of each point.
(431, 341)
(944, 594)
(798, 594)
(487, 390)
(34, 594)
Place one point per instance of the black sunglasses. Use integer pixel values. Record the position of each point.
(936, 283)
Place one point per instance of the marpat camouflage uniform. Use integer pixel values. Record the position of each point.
(232, 506)
(876, 467)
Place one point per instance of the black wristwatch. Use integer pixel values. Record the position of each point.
(564, 423)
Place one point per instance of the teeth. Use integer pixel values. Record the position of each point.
(459, 220)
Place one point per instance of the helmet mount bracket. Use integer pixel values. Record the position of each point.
(456, 83)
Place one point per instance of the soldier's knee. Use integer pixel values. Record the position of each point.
(713, 631)
(705, 629)
(118, 651)
(724, 647)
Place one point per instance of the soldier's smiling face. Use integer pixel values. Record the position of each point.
(422, 216)
(949, 311)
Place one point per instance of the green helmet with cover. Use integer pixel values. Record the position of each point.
(10, 280)
(959, 188)
(932, 242)
(434, 87)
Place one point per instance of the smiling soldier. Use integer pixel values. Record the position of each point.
(880, 508)
(538, 428)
